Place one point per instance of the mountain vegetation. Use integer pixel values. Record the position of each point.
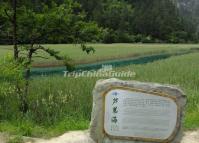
(189, 10)
(104, 21)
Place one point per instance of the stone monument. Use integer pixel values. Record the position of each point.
(136, 112)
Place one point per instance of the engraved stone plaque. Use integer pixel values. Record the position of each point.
(136, 114)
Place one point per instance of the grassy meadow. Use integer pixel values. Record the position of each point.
(60, 104)
(103, 52)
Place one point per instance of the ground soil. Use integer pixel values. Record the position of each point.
(83, 137)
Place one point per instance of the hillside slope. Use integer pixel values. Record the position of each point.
(189, 9)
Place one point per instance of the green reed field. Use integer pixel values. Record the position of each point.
(59, 104)
(103, 52)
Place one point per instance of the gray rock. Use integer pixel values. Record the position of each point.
(96, 125)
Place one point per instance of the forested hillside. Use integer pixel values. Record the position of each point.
(107, 21)
(189, 9)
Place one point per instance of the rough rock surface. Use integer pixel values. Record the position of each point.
(83, 137)
(96, 127)
(69, 137)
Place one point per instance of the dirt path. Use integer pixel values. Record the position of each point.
(3, 138)
(191, 137)
(83, 137)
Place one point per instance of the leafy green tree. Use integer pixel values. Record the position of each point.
(157, 18)
(102, 21)
(5, 33)
(59, 24)
(35, 26)
(92, 8)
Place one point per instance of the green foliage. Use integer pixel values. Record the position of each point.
(157, 18)
(56, 108)
(59, 24)
(116, 15)
(87, 49)
(12, 83)
(4, 25)
(147, 39)
(109, 36)
(11, 74)
(10, 69)
(111, 21)
(88, 32)
(178, 37)
(53, 23)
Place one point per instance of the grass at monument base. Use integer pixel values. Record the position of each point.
(59, 104)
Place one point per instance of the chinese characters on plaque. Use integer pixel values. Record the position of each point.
(139, 115)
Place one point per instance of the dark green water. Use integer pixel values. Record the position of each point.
(114, 63)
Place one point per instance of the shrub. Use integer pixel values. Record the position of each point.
(147, 39)
(138, 38)
(178, 37)
(123, 37)
(109, 36)
(89, 32)
(11, 73)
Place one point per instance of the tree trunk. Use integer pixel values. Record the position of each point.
(24, 102)
(25, 106)
(14, 24)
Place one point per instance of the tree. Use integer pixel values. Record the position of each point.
(117, 17)
(35, 26)
(157, 18)
(13, 19)
(105, 20)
